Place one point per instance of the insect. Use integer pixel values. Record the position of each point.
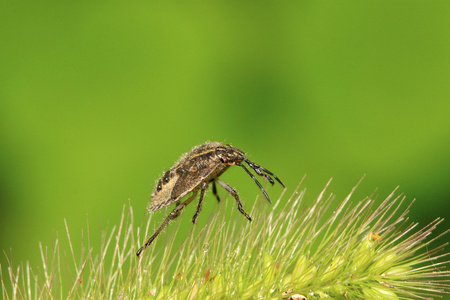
(194, 172)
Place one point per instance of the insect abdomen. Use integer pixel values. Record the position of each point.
(198, 165)
(161, 195)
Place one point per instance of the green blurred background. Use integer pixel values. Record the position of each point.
(97, 100)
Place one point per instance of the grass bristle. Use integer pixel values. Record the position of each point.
(361, 251)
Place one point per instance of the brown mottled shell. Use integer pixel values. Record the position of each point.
(201, 164)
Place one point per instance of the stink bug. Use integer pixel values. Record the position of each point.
(194, 171)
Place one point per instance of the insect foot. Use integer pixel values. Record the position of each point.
(193, 172)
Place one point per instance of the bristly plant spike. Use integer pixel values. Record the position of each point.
(194, 171)
(366, 250)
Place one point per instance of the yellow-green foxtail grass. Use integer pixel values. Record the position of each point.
(365, 250)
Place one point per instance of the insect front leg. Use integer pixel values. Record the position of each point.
(200, 201)
(236, 197)
(175, 213)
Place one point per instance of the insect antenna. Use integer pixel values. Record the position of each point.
(259, 170)
(256, 181)
(260, 173)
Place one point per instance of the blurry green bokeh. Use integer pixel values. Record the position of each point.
(97, 100)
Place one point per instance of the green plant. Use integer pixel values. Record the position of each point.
(354, 252)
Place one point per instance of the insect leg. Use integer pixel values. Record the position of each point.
(175, 213)
(236, 197)
(214, 190)
(257, 182)
(200, 201)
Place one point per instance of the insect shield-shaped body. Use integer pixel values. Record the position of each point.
(194, 171)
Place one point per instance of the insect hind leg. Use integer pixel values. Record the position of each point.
(175, 213)
(236, 197)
